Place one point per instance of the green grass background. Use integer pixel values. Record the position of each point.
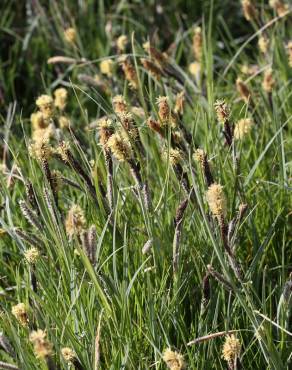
(142, 312)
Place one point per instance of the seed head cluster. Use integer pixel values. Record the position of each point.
(173, 155)
(199, 155)
(279, 6)
(268, 81)
(174, 360)
(20, 313)
(75, 221)
(222, 110)
(63, 150)
(122, 42)
(64, 122)
(40, 149)
(105, 130)
(179, 102)
(106, 67)
(195, 69)
(68, 354)
(216, 200)
(119, 104)
(243, 128)
(42, 347)
(197, 43)
(231, 348)
(243, 90)
(120, 147)
(164, 111)
(129, 72)
(249, 10)
(61, 96)
(70, 35)
(32, 255)
(45, 103)
(38, 121)
(263, 44)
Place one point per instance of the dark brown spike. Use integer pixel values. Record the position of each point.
(206, 289)
(30, 215)
(220, 278)
(31, 196)
(180, 211)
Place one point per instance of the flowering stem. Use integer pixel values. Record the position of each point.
(269, 350)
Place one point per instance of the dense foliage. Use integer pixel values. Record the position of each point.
(145, 184)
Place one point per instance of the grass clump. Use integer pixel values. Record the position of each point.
(145, 199)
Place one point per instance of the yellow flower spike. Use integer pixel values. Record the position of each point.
(45, 104)
(32, 255)
(61, 95)
(20, 313)
(174, 360)
(231, 348)
(216, 200)
(70, 35)
(106, 67)
(42, 347)
(75, 221)
(242, 128)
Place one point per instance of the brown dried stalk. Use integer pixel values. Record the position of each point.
(211, 336)
(61, 59)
